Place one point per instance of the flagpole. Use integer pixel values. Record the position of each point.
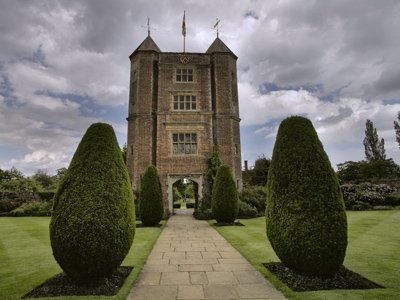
(184, 31)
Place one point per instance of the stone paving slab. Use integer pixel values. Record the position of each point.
(191, 260)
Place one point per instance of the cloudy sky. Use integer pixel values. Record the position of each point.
(64, 65)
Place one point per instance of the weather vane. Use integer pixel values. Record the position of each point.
(148, 26)
(216, 26)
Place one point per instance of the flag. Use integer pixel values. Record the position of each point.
(183, 25)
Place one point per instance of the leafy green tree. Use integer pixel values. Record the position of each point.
(225, 200)
(379, 169)
(214, 162)
(45, 180)
(305, 215)
(124, 151)
(189, 190)
(177, 194)
(13, 173)
(397, 128)
(259, 174)
(93, 221)
(3, 175)
(19, 185)
(151, 206)
(374, 148)
(349, 171)
(260, 171)
(361, 171)
(60, 173)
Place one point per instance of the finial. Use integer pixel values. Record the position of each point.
(216, 26)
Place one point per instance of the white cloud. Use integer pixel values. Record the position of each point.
(53, 53)
(40, 159)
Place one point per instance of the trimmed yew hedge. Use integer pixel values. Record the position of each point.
(225, 200)
(305, 215)
(93, 221)
(151, 205)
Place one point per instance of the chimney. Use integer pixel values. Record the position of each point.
(246, 166)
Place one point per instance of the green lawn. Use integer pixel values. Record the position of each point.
(26, 259)
(373, 251)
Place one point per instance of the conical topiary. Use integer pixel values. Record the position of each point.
(150, 198)
(305, 215)
(224, 201)
(93, 222)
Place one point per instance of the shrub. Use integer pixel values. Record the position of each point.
(225, 202)
(93, 221)
(371, 194)
(246, 211)
(34, 208)
(392, 200)
(189, 205)
(7, 205)
(46, 196)
(359, 205)
(254, 196)
(203, 214)
(305, 216)
(12, 200)
(177, 205)
(150, 198)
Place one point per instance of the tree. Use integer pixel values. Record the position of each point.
(3, 175)
(225, 200)
(361, 171)
(397, 128)
(349, 171)
(19, 185)
(46, 181)
(260, 171)
(60, 173)
(374, 149)
(259, 174)
(379, 169)
(93, 222)
(13, 173)
(214, 162)
(124, 151)
(151, 208)
(305, 215)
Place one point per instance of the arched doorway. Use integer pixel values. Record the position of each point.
(175, 179)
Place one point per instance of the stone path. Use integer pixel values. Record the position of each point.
(190, 260)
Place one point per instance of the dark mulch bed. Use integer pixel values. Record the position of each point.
(61, 285)
(237, 223)
(344, 279)
(141, 225)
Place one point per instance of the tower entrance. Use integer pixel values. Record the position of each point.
(179, 185)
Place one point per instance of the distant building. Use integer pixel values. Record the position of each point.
(180, 105)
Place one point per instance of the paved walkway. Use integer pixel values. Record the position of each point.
(191, 260)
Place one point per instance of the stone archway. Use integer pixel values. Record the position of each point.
(173, 178)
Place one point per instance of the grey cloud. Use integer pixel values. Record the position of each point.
(389, 81)
(343, 113)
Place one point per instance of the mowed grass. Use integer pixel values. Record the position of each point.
(373, 251)
(26, 258)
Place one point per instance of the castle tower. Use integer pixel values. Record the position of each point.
(180, 105)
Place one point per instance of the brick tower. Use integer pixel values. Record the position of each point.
(180, 105)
